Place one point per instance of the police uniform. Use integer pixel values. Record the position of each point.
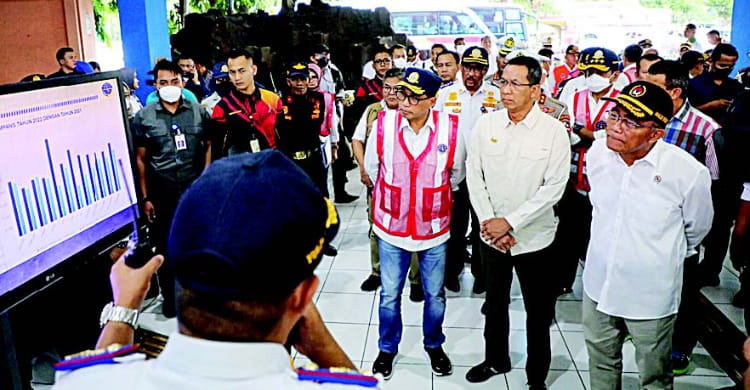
(298, 126)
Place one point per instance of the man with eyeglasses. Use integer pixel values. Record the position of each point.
(517, 167)
(415, 159)
(470, 99)
(587, 109)
(171, 139)
(652, 206)
(364, 128)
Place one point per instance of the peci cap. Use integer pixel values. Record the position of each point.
(572, 49)
(601, 59)
(476, 55)
(298, 69)
(507, 46)
(411, 51)
(645, 101)
(420, 81)
(252, 226)
(221, 70)
(547, 42)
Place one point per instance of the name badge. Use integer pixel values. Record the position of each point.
(179, 141)
(254, 146)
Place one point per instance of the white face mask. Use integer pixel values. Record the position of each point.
(596, 83)
(170, 93)
(460, 49)
(399, 63)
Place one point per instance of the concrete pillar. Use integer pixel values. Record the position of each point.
(145, 37)
(741, 32)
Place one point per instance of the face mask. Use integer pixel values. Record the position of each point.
(460, 49)
(596, 83)
(223, 88)
(170, 94)
(322, 60)
(721, 73)
(399, 63)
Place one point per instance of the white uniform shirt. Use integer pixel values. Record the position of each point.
(623, 80)
(368, 72)
(191, 363)
(415, 143)
(519, 171)
(455, 99)
(570, 89)
(646, 218)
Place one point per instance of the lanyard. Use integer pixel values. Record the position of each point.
(589, 124)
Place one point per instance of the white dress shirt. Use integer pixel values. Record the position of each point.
(190, 363)
(570, 89)
(415, 143)
(455, 99)
(646, 218)
(519, 171)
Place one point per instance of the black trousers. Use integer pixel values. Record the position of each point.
(457, 255)
(315, 169)
(716, 242)
(341, 165)
(539, 302)
(573, 234)
(685, 336)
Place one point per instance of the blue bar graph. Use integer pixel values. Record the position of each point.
(65, 189)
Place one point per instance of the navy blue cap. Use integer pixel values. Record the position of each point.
(221, 70)
(84, 67)
(420, 81)
(476, 55)
(600, 58)
(298, 69)
(252, 226)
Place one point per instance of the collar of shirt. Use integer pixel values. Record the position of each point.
(184, 105)
(682, 113)
(529, 121)
(429, 125)
(223, 359)
(651, 158)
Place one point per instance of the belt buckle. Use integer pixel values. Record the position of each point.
(301, 155)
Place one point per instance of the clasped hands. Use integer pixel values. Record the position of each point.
(496, 232)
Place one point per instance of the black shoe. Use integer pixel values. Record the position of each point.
(416, 294)
(371, 283)
(479, 287)
(564, 291)
(168, 310)
(351, 166)
(537, 387)
(484, 308)
(384, 364)
(709, 281)
(739, 299)
(345, 198)
(452, 284)
(330, 250)
(484, 371)
(680, 363)
(441, 365)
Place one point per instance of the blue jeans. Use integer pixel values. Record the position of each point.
(394, 265)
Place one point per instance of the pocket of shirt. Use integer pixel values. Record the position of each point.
(390, 199)
(436, 202)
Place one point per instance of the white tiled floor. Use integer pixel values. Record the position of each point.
(353, 319)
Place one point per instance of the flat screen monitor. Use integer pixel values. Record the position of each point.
(66, 177)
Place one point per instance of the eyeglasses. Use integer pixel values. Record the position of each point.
(472, 69)
(629, 124)
(387, 89)
(383, 61)
(413, 99)
(513, 84)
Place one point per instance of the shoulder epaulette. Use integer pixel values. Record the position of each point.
(113, 354)
(337, 375)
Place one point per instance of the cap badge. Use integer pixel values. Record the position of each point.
(413, 77)
(299, 66)
(510, 43)
(476, 53)
(225, 68)
(638, 91)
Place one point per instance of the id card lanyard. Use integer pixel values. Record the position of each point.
(179, 137)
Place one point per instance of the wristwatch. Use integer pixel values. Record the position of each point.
(119, 314)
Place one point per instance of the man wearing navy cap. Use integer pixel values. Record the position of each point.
(415, 160)
(470, 100)
(244, 292)
(219, 84)
(652, 206)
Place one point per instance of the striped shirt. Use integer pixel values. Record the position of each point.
(692, 131)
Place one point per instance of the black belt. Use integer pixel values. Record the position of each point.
(303, 154)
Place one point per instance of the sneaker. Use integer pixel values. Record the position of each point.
(441, 365)
(330, 250)
(416, 294)
(484, 371)
(452, 284)
(680, 363)
(371, 283)
(383, 365)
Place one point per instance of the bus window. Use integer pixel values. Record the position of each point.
(452, 23)
(415, 23)
(493, 18)
(512, 14)
(515, 29)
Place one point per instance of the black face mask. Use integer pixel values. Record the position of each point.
(322, 60)
(721, 73)
(223, 88)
